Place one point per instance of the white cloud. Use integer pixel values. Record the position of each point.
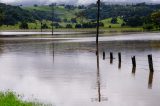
(27, 2)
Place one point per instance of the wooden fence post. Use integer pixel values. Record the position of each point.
(119, 60)
(104, 55)
(134, 61)
(111, 57)
(150, 61)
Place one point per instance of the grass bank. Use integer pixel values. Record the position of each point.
(123, 29)
(11, 99)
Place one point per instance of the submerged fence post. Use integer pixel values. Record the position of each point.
(119, 59)
(104, 55)
(111, 57)
(134, 61)
(133, 65)
(133, 70)
(150, 61)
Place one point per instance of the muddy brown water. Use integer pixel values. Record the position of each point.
(69, 73)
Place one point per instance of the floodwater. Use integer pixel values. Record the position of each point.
(69, 73)
(36, 33)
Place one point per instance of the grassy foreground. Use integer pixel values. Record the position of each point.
(11, 99)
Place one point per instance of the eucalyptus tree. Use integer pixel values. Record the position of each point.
(1, 16)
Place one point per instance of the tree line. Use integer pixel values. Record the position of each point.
(141, 14)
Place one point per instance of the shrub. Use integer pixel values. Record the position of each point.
(23, 25)
(68, 26)
(148, 27)
(78, 26)
(11, 99)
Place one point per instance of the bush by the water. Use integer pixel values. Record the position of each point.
(68, 26)
(23, 25)
(148, 27)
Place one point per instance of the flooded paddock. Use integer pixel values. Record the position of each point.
(67, 72)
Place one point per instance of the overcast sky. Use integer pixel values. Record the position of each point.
(31, 2)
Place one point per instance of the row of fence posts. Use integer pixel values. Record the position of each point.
(111, 58)
(150, 62)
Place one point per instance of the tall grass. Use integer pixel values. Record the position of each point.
(11, 99)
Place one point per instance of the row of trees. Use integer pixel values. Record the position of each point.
(14, 14)
(149, 22)
(107, 11)
(152, 21)
(1, 16)
(24, 25)
(133, 15)
(141, 14)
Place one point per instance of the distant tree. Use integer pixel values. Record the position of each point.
(80, 15)
(123, 24)
(65, 20)
(1, 16)
(89, 25)
(134, 21)
(73, 20)
(78, 26)
(61, 4)
(141, 4)
(53, 4)
(68, 26)
(115, 10)
(23, 25)
(81, 7)
(70, 7)
(35, 5)
(148, 27)
(56, 25)
(114, 20)
(156, 18)
(56, 19)
(101, 24)
(44, 26)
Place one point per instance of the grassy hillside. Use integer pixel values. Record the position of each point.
(61, 11)
(72, 16)
(107, 23)
(64, 13)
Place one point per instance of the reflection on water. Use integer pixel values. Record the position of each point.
(111, 58)
(70, 74)
(133, 70)
(119, 60)
(98, 76)
(37, 33)
(150, 81)
(53, 51)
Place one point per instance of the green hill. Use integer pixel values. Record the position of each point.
(107, 22)
(60, 11)
(112, 16)
(63, 15)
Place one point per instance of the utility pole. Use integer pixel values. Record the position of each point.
(98, 17)
(41, 25)
(52, 17)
